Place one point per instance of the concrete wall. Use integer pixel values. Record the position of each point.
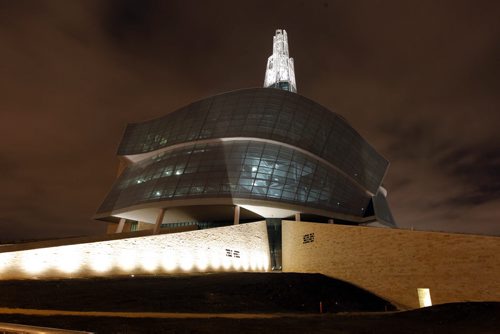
(233, 248)
(394, 263)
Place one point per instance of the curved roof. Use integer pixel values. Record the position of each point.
(264, 113)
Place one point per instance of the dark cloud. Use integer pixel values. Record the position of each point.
(477, 167)
(418, 79)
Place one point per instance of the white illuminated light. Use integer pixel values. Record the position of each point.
(187, 261)
(168, 262)
(201, 261)
(237, 264)
(215, 261)
(127, 260)
(263, 261)
(149, 261)
(424, 297)
(69, 259)
(261, 264)
(226, 263)
(253, 262)
(178, 172)
(266, 261)
(254, 169)
(35, 262)
(102, 260)
(245, 263)
(158, 193)
(5, 261)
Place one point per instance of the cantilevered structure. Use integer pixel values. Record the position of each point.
(249, 154)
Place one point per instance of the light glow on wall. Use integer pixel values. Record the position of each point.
(5, 260)
(69, 260)
(168, 262)
(233, 248)
(35, 262)
(202, 261)
(187, 261)
(215, 261)
(101, 261)
(127, 261)
(149, 261)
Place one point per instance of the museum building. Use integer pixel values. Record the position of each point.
(247, 155)
(262, 179)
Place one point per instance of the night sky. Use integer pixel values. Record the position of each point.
(419, 80)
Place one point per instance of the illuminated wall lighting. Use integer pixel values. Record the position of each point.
(70, 258)
(241, 247)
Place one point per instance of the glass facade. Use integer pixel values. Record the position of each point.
(261, 143)
(236, 169)
(267, 114)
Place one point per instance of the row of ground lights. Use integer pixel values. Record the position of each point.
(73, 259)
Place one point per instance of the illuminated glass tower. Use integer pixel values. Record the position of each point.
(279, 71)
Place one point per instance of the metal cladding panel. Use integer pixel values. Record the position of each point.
(264, 113)
(382, 211)
(237, 169)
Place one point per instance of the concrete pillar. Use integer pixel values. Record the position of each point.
(119, 229)
(236, 214)
(297, 216)
(159, 220)
(330, 221)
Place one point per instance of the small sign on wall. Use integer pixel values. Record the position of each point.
(232, 253)
(308, 238)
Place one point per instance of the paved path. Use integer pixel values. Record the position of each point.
(171, 315)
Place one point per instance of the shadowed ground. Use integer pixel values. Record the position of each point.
(226, 292)
(259, 303)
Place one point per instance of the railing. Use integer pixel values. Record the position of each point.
(6, 328)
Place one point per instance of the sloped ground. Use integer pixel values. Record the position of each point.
(226, 292)
(460, 318)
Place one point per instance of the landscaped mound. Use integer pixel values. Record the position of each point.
(206, 293)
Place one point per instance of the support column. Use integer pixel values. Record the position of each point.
(159, 220)
(275, 242)
(297, 216)
(236, 215)
(119, 229)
